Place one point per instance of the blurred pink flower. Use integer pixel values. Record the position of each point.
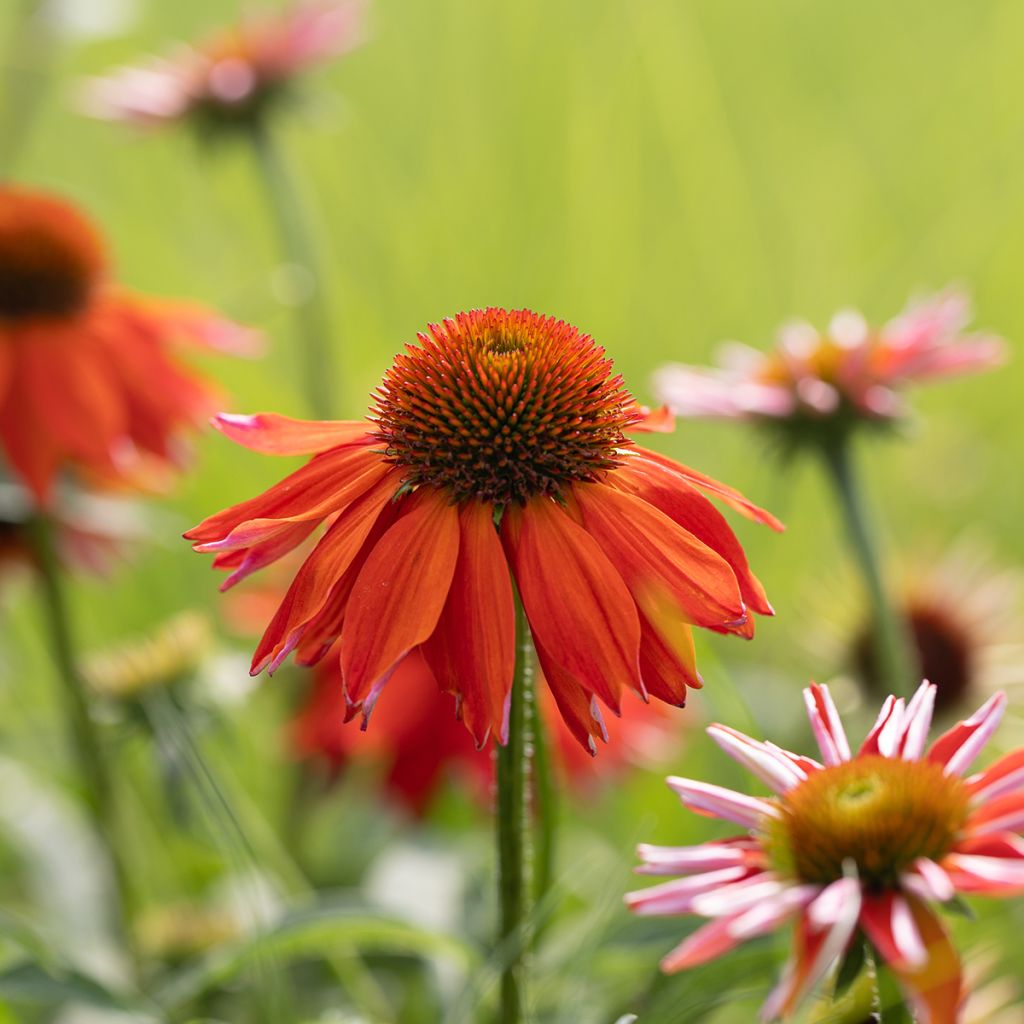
(863, 841)
(849, 371)
(233, 75)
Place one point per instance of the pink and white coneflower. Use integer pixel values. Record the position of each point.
(858, 845)
(849, 371)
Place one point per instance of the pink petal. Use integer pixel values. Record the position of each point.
(773, 769)
(684, 860)
(887, 920)
(929, 881)
(1005, 776)
(727, 900)
(1003, 814)
(676, 897)
(718, 802)
(826, 725)
(887, 730)
(957, 748)
(917, 722)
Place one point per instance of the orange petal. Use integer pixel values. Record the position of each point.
(319, 574)
(397, 598)
(652, 421)
(272, 434)
(667, 662)
(326, 484)
(727, 495)
(936, 989)
(658, 558)
(472, 650)
(578, 607)
(687, 507)
(577, 706)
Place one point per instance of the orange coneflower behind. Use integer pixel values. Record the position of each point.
(88, 381)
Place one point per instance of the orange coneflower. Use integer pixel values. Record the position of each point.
(495, 450)
(861, 843)
(87, 378)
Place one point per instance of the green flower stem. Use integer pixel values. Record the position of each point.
(896, 666)
(26, 76)
(513, 771)
(299, 250)
(94, 772)
(545, 806)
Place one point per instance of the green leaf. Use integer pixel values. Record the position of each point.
(322, 930)
(850, 968)
(29, 983)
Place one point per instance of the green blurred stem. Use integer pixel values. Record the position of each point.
(27, 69)
(545, 805)
(93, 769)
(299, 250)
(513, 771)
(896, 666)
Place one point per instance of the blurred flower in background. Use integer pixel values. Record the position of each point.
(815, 380)
(494, 415)
(862, 841)
(88, 379)
(421, 745)
(964, 616)
(235, 76)
(94, 532)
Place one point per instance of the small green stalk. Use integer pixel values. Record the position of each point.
(545, 807)
(96, 781)
(896, 665)
(513, 772)
(299, 249)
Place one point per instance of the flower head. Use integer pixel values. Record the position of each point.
(88, 381)
(817, 382)
(235, 76)
(855, 844)
(419, 743)
(496, 450)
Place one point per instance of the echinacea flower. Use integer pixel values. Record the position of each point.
(855, 844)
(419, 744)
(849, 373)
(495, 450)
(88, 380)
(235, 76)
(964, 618)
(92, 532)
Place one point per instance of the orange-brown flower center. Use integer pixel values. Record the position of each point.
(944, 649)
(880, 813)
(502, 406)
(50, 256)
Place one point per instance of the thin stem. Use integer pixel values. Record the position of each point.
(92, 766)
(895, 664)
(545, 807)
(513, 769)
(300, 252)
(27, 70)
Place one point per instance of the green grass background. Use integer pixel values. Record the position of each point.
(665, 174)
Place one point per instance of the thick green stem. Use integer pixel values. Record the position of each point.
(895, 663)
(299, 250)
(513, 771)
(96, 780)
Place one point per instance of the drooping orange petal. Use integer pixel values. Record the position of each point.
(397, 598)
(576, 705)
(653, 421)
(727, 495)
(326, 565)
(472, 650)
(658, 558)
(31, 451)
(273, 434)
(243, 562)
(578, 606)
(687, 507)
(324, 485)
(936, 989)
(667, 661)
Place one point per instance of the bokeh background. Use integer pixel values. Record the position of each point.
(665, 174)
